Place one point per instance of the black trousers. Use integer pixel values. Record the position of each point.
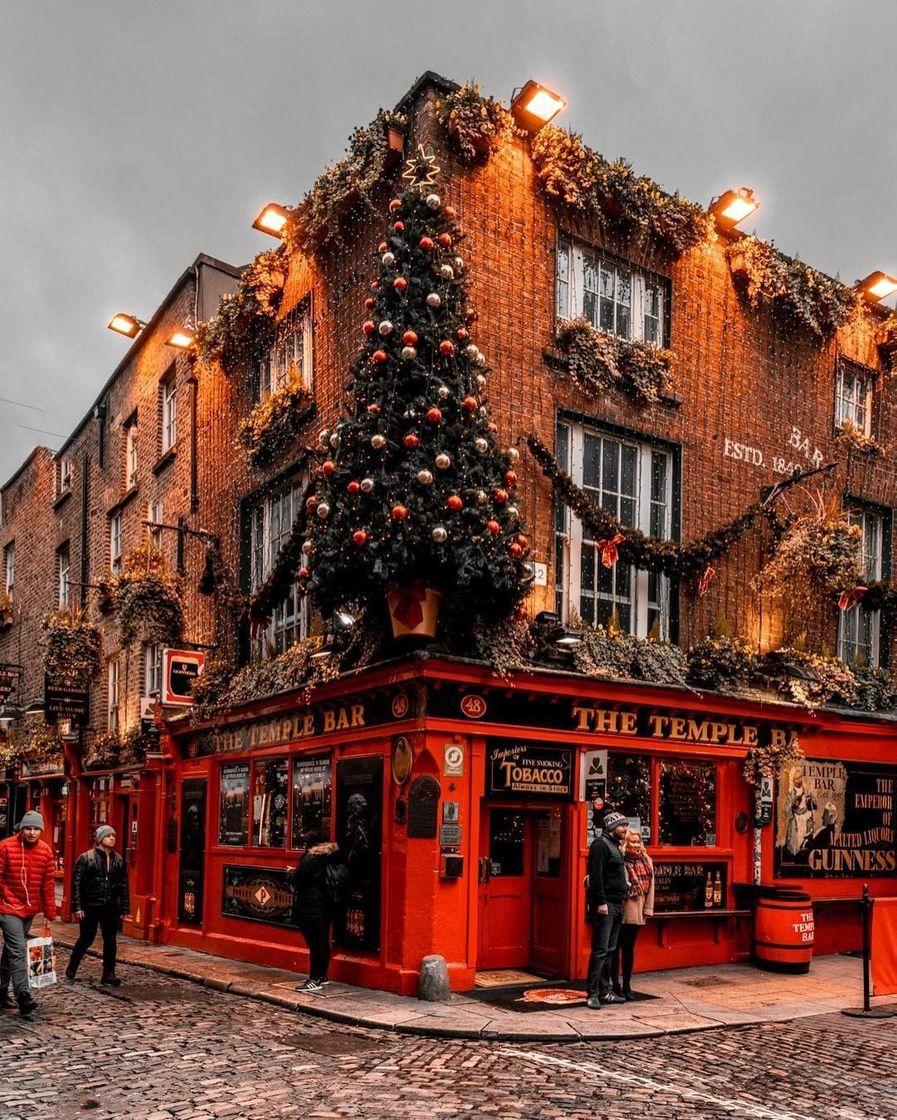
(105, 919)
(317, 936)
(624, 959)
(605, 931)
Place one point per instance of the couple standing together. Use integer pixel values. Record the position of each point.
(620, 897)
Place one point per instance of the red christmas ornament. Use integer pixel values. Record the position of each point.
(426, 243)
(470, 404)
(450, 212)
(303, 573)
(375, 285)
(446, 348)
(311, 504)
(471, 316)
(360, 538)
(515, 550)
(369, 327)
(411, 441)
(409, 338)
(374, 409)
(382, 247)
(328, 467)
(511, 479)
(462, 334)
(500, 496)
(434, 415)
(454, 502)
(394, 205)
(379, 356)
(520, 614)
(400, 283)
(370, 303)
(399, 226)
(522, 541)
(445, 240)
(353, 487)
(493, 527)
(399, 513)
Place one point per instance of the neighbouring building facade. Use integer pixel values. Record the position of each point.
(663, 380)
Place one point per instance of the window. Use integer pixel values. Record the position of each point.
(688, 804)
(114, 721)
(131, 456)
(853, 397)
(312, 796)
(271, 524)
(858, 628)
(63, 476)
(9, 556)
(152, 670)
(115, 543)
(269, 804)
(155, 514)
(629, 789)
(168, 392)
(289, 360)
(63, 569)
(233, 805)
(633, 481)
(612, 295)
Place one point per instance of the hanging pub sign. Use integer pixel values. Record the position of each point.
(763, 804)
(530, 768)
(180, 668)
(65, 703)
(9, 680)
(835, 819)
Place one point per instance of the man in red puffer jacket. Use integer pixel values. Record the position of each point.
(26, 888)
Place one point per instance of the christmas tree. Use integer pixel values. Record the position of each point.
(414, 488)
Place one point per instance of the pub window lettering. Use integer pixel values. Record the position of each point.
(289, 361)
(633, 481)
(271, 522)
(853, 396)
(612, 295)
(859, 630)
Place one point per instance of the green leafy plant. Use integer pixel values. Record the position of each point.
(611, 652)
(721, 663)
(74, 647)
(855, 439)
(5, 609)
(243, 326)
(477, 125)
(275, 421)
(148, 597)
(103, 752)
(600, 361)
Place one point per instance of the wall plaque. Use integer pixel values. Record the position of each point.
(423, 804)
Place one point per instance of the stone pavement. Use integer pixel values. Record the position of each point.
(685, 999)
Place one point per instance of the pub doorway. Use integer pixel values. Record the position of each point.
(522, 875)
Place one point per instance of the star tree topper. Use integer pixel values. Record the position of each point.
(421, 170)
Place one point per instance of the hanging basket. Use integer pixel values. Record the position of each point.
(414, 610)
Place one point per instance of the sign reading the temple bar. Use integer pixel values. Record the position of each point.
(835, 819)
(65, 703)
(529, 768)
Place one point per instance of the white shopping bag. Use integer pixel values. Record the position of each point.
(41, 962)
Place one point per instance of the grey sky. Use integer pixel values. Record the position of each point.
(133, 135)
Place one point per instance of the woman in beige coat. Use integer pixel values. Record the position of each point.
(637, 907)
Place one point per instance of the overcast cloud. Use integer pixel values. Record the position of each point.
(134, 135)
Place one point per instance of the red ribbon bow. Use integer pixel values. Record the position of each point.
(849, 598)
(705, 580)
(608, 550)
(406, 605)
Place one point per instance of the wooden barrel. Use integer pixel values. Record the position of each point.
(783, 931)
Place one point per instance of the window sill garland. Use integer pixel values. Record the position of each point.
(853, 438)
(598, 362)
(276, 420)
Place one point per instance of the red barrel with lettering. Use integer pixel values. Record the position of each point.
(783, 930)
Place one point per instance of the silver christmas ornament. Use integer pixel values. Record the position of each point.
(386, 328)
(322, 510)
(484, 412)
(513, 511)
(409, 353)
(334, 440)
(367, 485)
(480, 359)
(439, 534)
(378, 442)
(481, 445)
(481, 497)
(458, 262)
(307, 547)
(323, 437)
(513, 454)
(443, 461)
(425, 478)
(446, 272)
(388, 259)
(434, 300)
(443, 392)
(434, 201)
(473, 352)
(481, 381)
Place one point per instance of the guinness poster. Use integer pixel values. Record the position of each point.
(835, 819)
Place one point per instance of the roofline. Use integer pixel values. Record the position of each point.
(32, 455)
(138, 343)
(428, 78)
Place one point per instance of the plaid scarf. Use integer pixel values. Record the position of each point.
(638, 868)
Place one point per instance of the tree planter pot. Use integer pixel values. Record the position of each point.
(414, 611)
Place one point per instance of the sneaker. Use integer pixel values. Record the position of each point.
(70, 975)
(594, 1003)
(26, 1005)
(609, 997)
(112, 980)
(309, 986)
(322, 980)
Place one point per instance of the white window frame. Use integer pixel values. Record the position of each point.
(578, 293)
(9, 556)
(131, 456)
(853, 396)
(169, 412)
(152, 669)
(292, 349)
(270, 524)
(115, 542)
(113, 722)
(651, 516)
(155, 514)
(64, 570)
(64, 477)
(859, 630)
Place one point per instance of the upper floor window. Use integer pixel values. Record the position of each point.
(271, 522)
(131, 455)
(9, 556)
(169, 402)
(63, 476)
(115, 539)
(114, 710)
(63, 570)
(859, 630)
(612, 295)
(633, 481)
(155, 515)
(289, 361)
(152, 670)
(853, 396)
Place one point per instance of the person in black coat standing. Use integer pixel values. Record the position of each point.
(314, 905)
(100, 899)
(607, 888)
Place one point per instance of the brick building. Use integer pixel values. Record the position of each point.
(491, 879)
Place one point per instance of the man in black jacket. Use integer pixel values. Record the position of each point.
(608, 886)
(100, 899)
(314, 905)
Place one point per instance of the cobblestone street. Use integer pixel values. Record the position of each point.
(160, 1048)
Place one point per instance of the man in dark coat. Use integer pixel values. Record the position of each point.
(607, 889)
(313, 907)
(100, 899)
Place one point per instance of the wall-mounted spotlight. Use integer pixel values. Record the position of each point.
(533, 106)
(733, 207)
(272, 219)
(128, 325)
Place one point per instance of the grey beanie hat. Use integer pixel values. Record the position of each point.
(103, 831)
(32, 819)
(614, 820)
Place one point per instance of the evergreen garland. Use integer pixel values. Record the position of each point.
(600, 361)
(274, 421)
(476, 125)
(244, 325)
